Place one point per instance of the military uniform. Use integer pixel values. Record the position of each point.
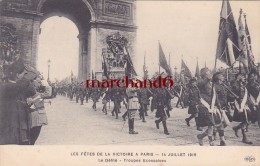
(38, 117)
(116, 98)
(180, 91)
(94, 97)
(105, 100)
(254, 95)
(161, 102)
(81, 92)
(194, 99)
(144, 101)
(132, 106)
(242, 112)
(76, 92)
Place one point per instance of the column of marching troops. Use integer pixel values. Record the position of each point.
(212, 101)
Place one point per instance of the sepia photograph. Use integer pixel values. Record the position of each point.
(129, 82)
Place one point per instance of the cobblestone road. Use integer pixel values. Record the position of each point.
(74, 124)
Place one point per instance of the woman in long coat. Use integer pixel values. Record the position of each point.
(14, 127)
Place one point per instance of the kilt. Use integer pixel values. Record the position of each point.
(160, 112)
(192, 109)
(246, 116)
(205, 118)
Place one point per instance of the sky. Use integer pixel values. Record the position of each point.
(185, 29)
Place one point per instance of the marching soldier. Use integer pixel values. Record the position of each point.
(180, 90)
(116, 97)
(194, 98)
(205, 115)
(132, 107)
(161, 98)
(105, 100)
(87, 94)
(254, 95)
(143, 96)
(94, 97)
(76, 92)
(81, 92)
(242, 112)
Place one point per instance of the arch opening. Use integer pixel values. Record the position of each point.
(58, 46)
(80, 13)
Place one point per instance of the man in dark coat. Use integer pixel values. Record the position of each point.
(14, 127)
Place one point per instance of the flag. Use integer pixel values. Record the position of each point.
(129, 68)
(185, 70)
(105, 68)
(242, 42)
(246, 56)
(250, 52)
(197, 74)
(227, 47)
(93, 76)
(145, 70)
(163, 61)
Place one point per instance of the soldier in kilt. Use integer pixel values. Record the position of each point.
(160, 98)
(242, 112)
(208, 115)
(194, 99)
(254, 94)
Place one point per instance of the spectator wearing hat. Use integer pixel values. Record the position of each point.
(193, 98)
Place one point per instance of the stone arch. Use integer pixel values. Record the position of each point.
(91, 9)
(81, 13)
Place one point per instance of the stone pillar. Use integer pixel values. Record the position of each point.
(92, 49)
(83, 56)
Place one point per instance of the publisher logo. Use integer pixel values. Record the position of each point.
(249, 159)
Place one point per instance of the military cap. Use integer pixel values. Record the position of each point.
(216, 76)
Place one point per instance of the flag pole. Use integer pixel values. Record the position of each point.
(159, 60)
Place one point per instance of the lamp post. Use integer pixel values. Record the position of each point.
(175, 74)
(49, 65)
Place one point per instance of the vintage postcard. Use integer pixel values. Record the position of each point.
(129, 82)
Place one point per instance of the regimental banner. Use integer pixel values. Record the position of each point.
(117, 9)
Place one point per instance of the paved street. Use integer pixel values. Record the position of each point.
(75, 124)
